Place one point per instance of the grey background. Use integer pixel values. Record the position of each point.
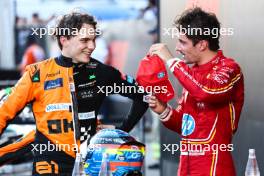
(246, 47)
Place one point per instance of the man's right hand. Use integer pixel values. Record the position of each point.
(156, 105)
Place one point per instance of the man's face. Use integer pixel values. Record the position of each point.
(81, 46)
(185, 47)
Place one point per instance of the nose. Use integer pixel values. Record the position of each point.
(91, 45)
(178, 47)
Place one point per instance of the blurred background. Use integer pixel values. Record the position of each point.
(129, 27)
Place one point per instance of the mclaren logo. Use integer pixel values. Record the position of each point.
(53, 74)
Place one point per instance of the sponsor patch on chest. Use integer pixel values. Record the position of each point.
(188, 124)
(53, 84)
(86, 115)
(58, 107)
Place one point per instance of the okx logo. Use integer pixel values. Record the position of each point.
(188, 124)
(58, 126)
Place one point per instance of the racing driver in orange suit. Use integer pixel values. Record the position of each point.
(66, 93)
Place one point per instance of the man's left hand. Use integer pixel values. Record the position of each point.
(161, 50)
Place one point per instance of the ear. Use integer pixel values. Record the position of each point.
(203, 45)
(63, 41)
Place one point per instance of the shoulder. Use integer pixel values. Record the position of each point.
(228, 65)
(33, 69)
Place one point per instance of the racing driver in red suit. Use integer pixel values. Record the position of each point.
(213, 94)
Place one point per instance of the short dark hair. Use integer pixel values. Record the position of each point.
(31, 39)
(198, 19)
(72, 22)
(35, 15)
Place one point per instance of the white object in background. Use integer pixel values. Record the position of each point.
(7, 23)
(78, 166)
(252, 165)
(105, 166)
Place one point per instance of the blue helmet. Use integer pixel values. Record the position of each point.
(116, 152)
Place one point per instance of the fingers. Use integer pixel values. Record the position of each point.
(152, 97)
(152, 101)
(160, 50)
(155, 48)
(152, 105)
(156, 105)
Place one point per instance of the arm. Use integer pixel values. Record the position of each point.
(136, 94)
(14, 151)
(137, 111)
(215, 87)
(19, 96)
(171, 118)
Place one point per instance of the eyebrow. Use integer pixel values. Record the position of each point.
(87, 38)
(182, 41)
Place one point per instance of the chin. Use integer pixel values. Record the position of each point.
(188, 61)
(85, 59)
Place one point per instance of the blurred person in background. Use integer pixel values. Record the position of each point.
(151, 11)
(21, 22)
(150, 14)
(33, 53)
(37, 21)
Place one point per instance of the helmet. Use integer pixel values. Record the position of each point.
(116, 152)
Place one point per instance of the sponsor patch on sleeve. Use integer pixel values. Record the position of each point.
(130, 79)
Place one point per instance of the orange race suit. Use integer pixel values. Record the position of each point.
(65, 100)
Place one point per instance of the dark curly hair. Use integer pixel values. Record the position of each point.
(69, 23)
(198, 19)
